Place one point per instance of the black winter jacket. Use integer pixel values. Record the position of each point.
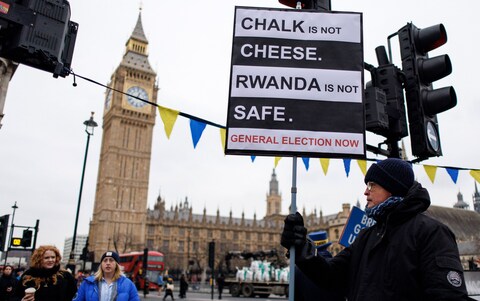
(51, 284)
(407, 256)
(7, 287)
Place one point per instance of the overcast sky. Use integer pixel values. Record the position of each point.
(43, 140)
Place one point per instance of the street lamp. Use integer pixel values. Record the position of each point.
(90, 125)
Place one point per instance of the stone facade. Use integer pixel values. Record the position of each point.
(183, 236)
(119, 212)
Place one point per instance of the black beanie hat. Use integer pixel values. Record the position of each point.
(110, 254)
(395, 175)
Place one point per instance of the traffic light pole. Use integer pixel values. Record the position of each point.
(15, 207)
(35, 237)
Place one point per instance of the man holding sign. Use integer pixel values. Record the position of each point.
(406, 255)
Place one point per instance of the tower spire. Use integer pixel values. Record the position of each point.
(138, 32)
(274, 198)
(460, 203)
(476, 199)
(136, 49)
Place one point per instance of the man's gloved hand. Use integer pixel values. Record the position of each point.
(294, 233)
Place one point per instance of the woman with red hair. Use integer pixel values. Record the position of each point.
(45, 275)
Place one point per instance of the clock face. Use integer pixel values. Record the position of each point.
(108, 99)
(138, 92)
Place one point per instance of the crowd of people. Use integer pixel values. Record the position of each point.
(46, 280)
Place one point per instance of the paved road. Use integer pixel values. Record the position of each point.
(196, 296)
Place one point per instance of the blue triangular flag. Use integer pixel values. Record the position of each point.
(346, 164)
(453, 172)
(306, 162)
(196, 128)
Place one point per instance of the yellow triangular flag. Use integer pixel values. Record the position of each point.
(169, 116)
(324, 163)
(475, 174)
(431, 171)
(223, 136)
(277, 159)
(363, 166)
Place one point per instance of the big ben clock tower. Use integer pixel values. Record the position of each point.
(120, 208)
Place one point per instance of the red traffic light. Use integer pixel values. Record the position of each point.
(291, 3)
(427, 39)
(423, 101)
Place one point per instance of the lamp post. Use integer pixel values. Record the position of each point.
(90, 125)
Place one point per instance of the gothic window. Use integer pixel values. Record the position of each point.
(166, 231)
(235, 235)
(166, 245)
(150, 243)
(195, 245)
(181, 246)
(247, 235)
(151, 230)
(224, 235)
(336, 234)
(181, 232)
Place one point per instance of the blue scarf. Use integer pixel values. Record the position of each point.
(379, 211)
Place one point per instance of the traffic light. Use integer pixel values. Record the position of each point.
(376, 118)
(27, 238)
(308, 4)
(84, 254)
(211, 254)
(384, 100)
(38, 33)
(3, 231)
(420, 71)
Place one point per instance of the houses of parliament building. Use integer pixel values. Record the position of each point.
(122, 221)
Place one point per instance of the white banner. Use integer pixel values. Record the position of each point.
(297, 83)
(295, 141)
(301, 26)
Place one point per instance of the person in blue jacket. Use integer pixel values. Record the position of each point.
(108, 283)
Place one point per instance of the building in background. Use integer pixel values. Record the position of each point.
(183, 236)
(119, 212)
(80, 242)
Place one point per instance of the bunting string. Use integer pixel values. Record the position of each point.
(198, 125)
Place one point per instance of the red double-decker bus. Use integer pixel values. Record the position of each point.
(132, 264)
